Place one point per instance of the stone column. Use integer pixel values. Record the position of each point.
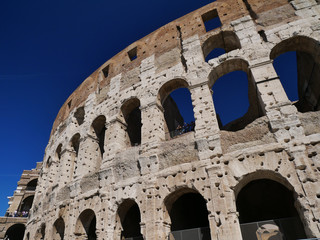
(68, 161)
(116, 139)
(53, 173)
(310, 185)
(153, 123)
(282, 114)
(147, 225)
(224, 222)
(206, 124)
(89, 157)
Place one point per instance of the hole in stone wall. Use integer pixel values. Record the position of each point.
(100, 130)
(211, 20)
(132, 54)
(263, 35)
(69, 104)
(75, 143)
(105, 71)
(58, 151)
(59, 227)
(79, 115)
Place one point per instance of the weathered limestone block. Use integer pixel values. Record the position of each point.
(147, 181)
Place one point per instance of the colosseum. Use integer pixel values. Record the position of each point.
(121, 163)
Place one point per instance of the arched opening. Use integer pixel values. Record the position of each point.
(32, 185)
(15, 232)
(129, 216)
(297, 62)
(175, 99)
(99, 129)
(234, 95)
(86, 225)
(58, 152)
(266, 209)
(221, 43)
(75, 143)
(132, 116)
(26, 205)
(189, 215)
(28, 236)
(58, 229)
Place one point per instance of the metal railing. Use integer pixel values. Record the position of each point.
(191, 234)
(182, 129)
(277, 229)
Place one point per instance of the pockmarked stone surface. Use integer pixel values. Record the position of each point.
(120, 165)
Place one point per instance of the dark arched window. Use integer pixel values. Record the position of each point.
(31, 186)
(189, 215)
(86, 225)
(132, 116)
(99, 128)
(266, 208)
(58, 229)
(234, 95)
(297, 64)
(75, 143)
(15, 232)
(130, 219)
(176, 101)
(26, 204)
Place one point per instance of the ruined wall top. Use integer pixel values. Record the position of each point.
(169, 37)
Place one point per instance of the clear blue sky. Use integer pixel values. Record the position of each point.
(47, 48)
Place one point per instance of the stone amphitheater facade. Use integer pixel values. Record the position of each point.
(111, 171)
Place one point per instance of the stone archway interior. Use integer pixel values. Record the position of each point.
(15, 232)
(131, 222)
(266, 209)
(189, 211)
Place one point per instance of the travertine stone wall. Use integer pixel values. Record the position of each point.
(272, 140)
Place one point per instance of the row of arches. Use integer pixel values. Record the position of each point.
(175, 99)
(296, 61)
(260, 201)
(24, 204)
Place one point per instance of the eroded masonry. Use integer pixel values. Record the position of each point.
(118, 166)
